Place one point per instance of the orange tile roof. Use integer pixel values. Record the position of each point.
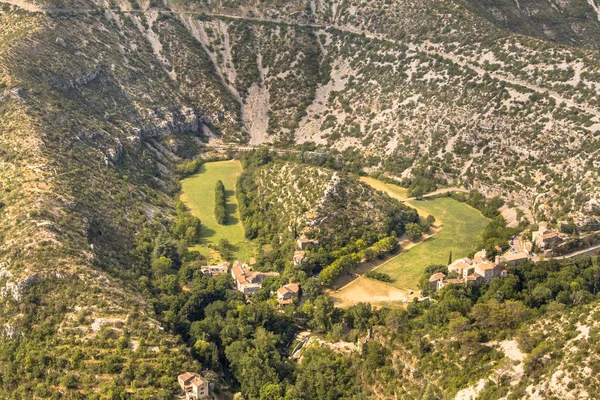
(437, 277)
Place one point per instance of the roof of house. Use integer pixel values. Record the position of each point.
(299, 254)
(437, 277)
(485, 266)
(243, 275)
(198, 380)
(284, 302)
(461, 263)
(191, 379)
(480, 256)
(240, 272)
(186, 377)
(293, 288)
(515, 256)
(474, 276)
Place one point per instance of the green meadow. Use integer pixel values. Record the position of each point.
(459, 234)
(198, 194)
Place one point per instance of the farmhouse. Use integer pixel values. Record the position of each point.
(247, 281)
(214, 270)
(436, 281)
(304, 242)
(299, 257)
(463, 267)
(477, 270)
(545, 237)
(512, 258)
(287, 293)
(193, 385)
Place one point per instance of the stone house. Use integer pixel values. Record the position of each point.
(193, 385)
(247, 281)
(287, 293)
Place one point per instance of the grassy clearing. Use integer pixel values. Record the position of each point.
(394, 191)
(198, 194)
(461, 226)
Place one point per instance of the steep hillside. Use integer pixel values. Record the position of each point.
(573, 22)
(408, 83)
(98, 102)
(80, 174)
(288, 200)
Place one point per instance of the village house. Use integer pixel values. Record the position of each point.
(477, 270)
(287, 293)
(436, 281)
(463, 267)
(299, 257)
(247, 281)
(214, 270)
(304, 242)
(544, 237)
(193, 385)
(489, 270)
(512, 258)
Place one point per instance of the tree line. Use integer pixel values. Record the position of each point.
(220, 203)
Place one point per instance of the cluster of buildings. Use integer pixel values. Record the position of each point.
(247, 281)
(476, 270)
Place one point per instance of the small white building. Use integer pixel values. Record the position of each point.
(193, 385)
(214, 270)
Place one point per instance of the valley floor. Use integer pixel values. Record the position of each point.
(198, 194)
(456, 231)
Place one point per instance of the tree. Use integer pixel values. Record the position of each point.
(161, 266)
(322, 313)
(414, 231)
(220, 203)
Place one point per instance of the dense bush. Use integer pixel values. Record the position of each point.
(380, 276)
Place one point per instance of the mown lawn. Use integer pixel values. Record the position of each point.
(461, 226)
(198, 194)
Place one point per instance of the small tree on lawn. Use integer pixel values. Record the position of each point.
(414, 231)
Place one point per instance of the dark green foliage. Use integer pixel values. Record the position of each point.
(188, 168)
(380, 276)
(414, 231)
(220, 203)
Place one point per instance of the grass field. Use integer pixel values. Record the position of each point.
(461, 226)
(198, 194)
(394, 191)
